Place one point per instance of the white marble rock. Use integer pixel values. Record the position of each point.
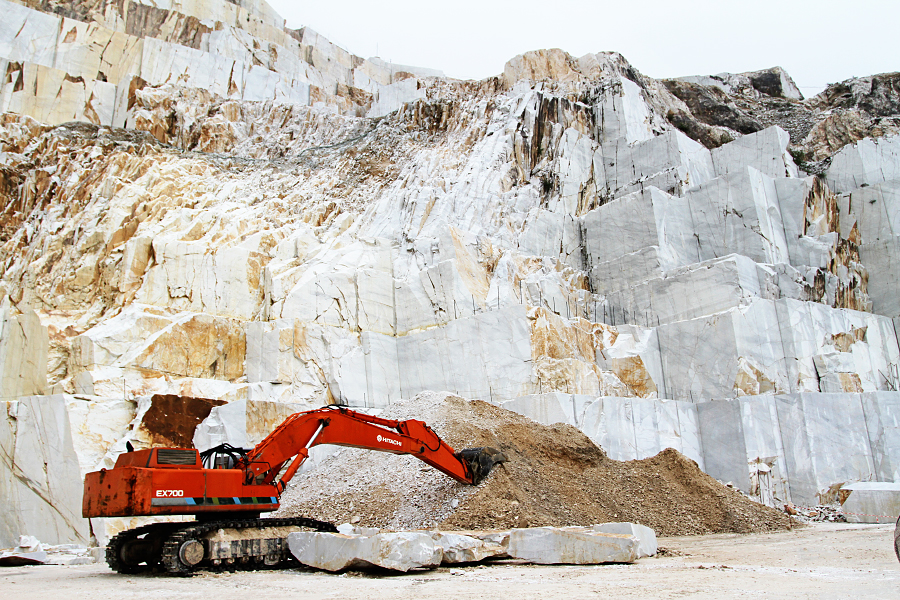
(867, 162)
(40, 479)
(458, 548)
(400, 551)
(552, 546)
(871, 502)
(765, 151)
(646, 537)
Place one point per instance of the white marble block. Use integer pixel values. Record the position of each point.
(552, 546)
(646, 537)
(871, 502)
(400, 551)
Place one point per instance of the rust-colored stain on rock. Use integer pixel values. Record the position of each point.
(171, 419)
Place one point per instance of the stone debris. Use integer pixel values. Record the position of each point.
(817, 514)
(551, 546)
(30, 551)
(556, 476)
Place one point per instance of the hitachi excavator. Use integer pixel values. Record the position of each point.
(227, 488)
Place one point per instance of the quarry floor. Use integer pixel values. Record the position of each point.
(818, 561)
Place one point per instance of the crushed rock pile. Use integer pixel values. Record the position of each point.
(556, 476)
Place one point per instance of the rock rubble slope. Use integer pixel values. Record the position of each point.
(200, 203)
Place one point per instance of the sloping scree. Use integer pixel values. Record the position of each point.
(555, 476)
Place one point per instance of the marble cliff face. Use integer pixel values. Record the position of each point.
(211, 221)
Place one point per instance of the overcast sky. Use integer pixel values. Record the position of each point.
(818, 42)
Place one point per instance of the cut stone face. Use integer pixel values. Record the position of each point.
(765, 151)
(40, 483)
(646, 537)
(871, 502)
(867, 162)
(549, 546)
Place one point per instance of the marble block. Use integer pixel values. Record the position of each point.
(400, 551)
(646, 537)
(552, 546)
(739, 212)
(871, 502)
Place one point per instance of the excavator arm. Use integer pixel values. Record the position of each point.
(290, 442)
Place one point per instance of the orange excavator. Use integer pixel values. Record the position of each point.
(226, 489)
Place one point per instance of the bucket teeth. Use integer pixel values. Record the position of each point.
(481, 461)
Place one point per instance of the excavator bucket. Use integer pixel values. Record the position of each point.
(481, 461)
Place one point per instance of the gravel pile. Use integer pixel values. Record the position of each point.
(556, 476)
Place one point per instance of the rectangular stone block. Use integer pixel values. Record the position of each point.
(867, 162)
(871, 502)
(739, 213)
(40, 482)
(874, 211)
(639, 220)
(743, 341)
(551, 546)
(671, 162)
(882, 260)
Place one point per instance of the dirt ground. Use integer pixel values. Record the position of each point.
(820, 561)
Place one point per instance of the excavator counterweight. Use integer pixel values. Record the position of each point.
(227, 488)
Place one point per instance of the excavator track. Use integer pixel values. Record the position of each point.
(138, 550)
(182, 548)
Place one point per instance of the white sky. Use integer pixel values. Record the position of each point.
(818, 42)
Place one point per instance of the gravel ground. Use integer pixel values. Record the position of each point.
(822, 561)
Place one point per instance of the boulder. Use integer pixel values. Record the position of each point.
(400, 551)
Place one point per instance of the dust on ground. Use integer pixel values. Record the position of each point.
(555, 476)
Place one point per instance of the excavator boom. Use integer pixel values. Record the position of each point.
(343, 427)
